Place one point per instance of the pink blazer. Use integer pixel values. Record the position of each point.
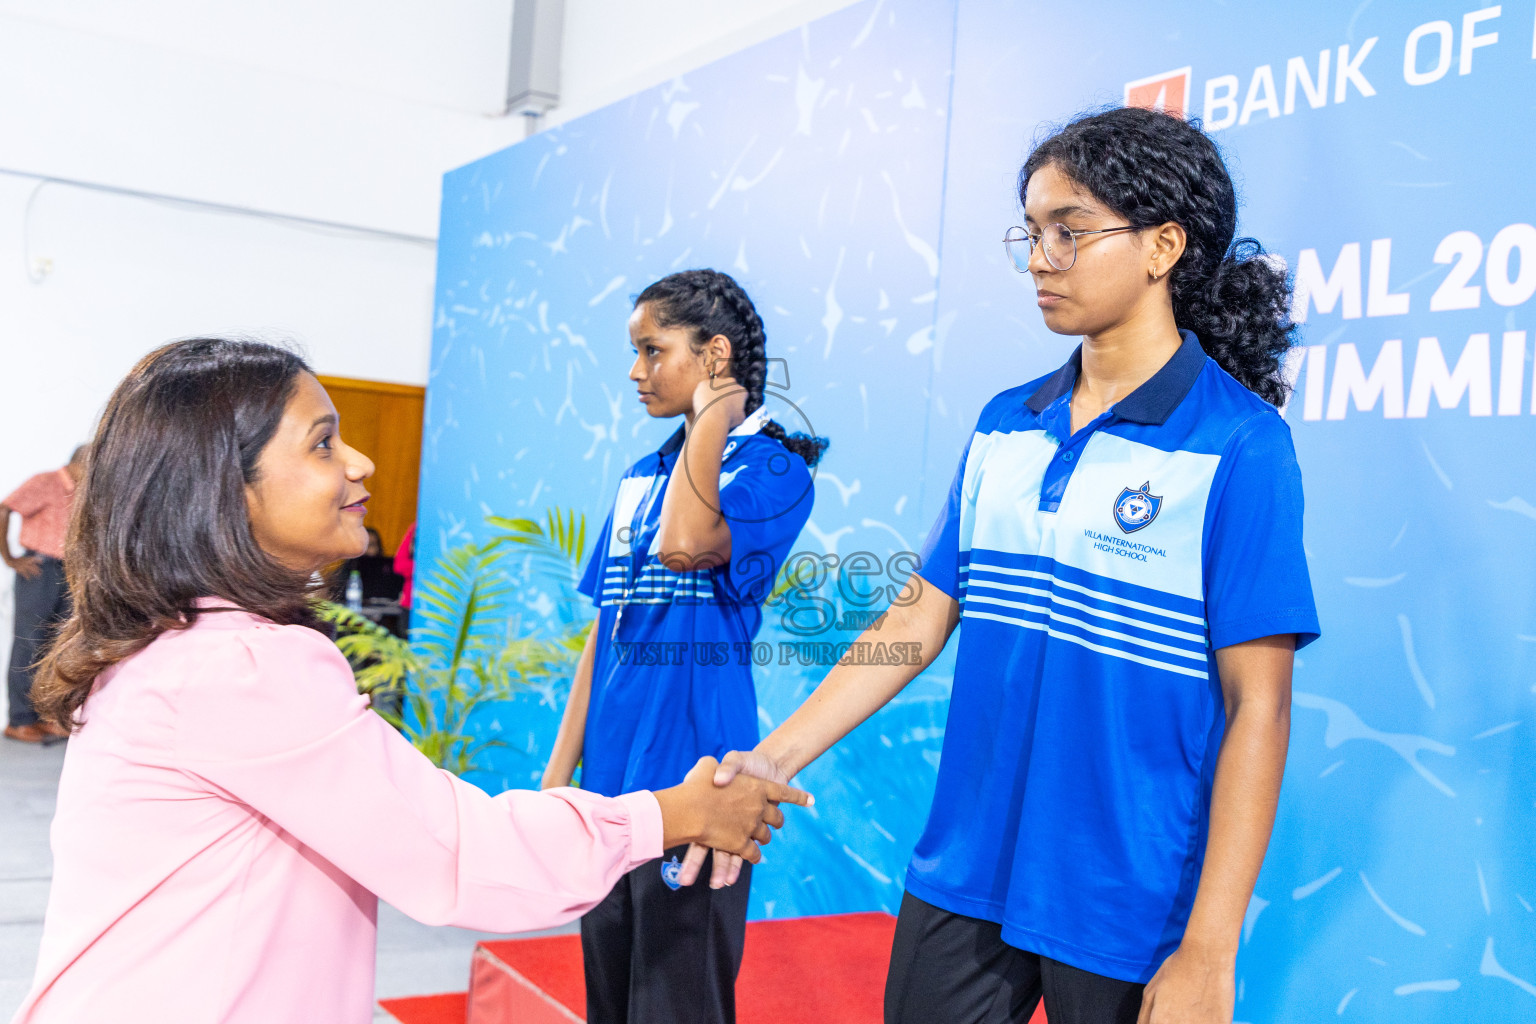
(231, 811)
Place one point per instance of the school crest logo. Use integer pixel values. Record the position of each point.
(1135, 509)
(670, 870)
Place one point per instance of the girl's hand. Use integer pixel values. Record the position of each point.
(721, 396)
(727, 868)
(1191, 987)
(736, 818)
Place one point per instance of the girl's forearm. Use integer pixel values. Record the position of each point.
(566, 754)
(693, 533)
(1245, 795)
(851, 693)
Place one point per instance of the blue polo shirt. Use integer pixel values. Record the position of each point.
(1097, 574)
(673, 683)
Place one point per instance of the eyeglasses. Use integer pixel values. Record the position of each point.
(1060, 245)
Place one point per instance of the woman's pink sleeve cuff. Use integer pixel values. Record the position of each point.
(645, 830)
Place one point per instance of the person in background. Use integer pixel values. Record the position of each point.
(376, 569)
(691, 549)
(405, 566)
(230, 810)
(378, 589)
(42, 593)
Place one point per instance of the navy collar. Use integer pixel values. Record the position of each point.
(754, 423)
(674, 443)
(1152, 403)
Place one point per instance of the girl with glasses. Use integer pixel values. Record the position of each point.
(230, 810)
(1121, 551)
(679, 574)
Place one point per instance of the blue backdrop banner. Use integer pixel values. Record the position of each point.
(857, 176)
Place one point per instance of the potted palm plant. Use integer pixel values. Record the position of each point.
(467, 647)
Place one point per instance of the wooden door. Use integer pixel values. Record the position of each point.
(383, 421)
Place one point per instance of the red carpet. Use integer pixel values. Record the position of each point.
(801, 969)
(444, 1009)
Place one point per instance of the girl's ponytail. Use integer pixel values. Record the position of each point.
(1242, 315)
(806, 446)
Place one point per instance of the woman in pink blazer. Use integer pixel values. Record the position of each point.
(230, 810)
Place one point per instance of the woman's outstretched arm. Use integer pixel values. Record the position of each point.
(279, 726)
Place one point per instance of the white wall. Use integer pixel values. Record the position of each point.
(341, 111)
(613, 48)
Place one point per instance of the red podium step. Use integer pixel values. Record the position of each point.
(811, 969)
(527, 981)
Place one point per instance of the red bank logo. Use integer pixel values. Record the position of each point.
(1168, 92)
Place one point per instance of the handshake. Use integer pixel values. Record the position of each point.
(730, 806)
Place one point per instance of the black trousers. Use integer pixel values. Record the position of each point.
(658, 955)
(42, 605)
(950, 969)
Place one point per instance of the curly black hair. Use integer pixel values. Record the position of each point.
(1153, 168)
(711, 303)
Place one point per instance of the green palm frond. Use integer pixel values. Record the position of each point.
(537, 662)
(461, 607)
(466, 755)
(421, 725)
(555, 546)
(381, 661)
(466, 649)
(790, 576)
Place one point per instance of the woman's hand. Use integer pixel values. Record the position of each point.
(1193, 986)
(727, 868)
(721, 396)
(735, 818)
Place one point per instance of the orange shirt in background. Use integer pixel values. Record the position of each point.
(43, 503)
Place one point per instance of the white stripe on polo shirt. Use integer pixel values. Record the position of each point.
(1002, 489)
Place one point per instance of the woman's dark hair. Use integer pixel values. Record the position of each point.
(160, 517)
(1153, 168)
(711, 303)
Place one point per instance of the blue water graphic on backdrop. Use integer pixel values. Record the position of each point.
(856, 175)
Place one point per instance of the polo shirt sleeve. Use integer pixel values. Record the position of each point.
(940, 557)
(592, 578)
(30, 498)
(765, 496)
(1256, 581)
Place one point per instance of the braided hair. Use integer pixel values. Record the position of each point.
(1152, 168)
(711, 303)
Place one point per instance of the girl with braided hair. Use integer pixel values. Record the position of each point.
(680, 571)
